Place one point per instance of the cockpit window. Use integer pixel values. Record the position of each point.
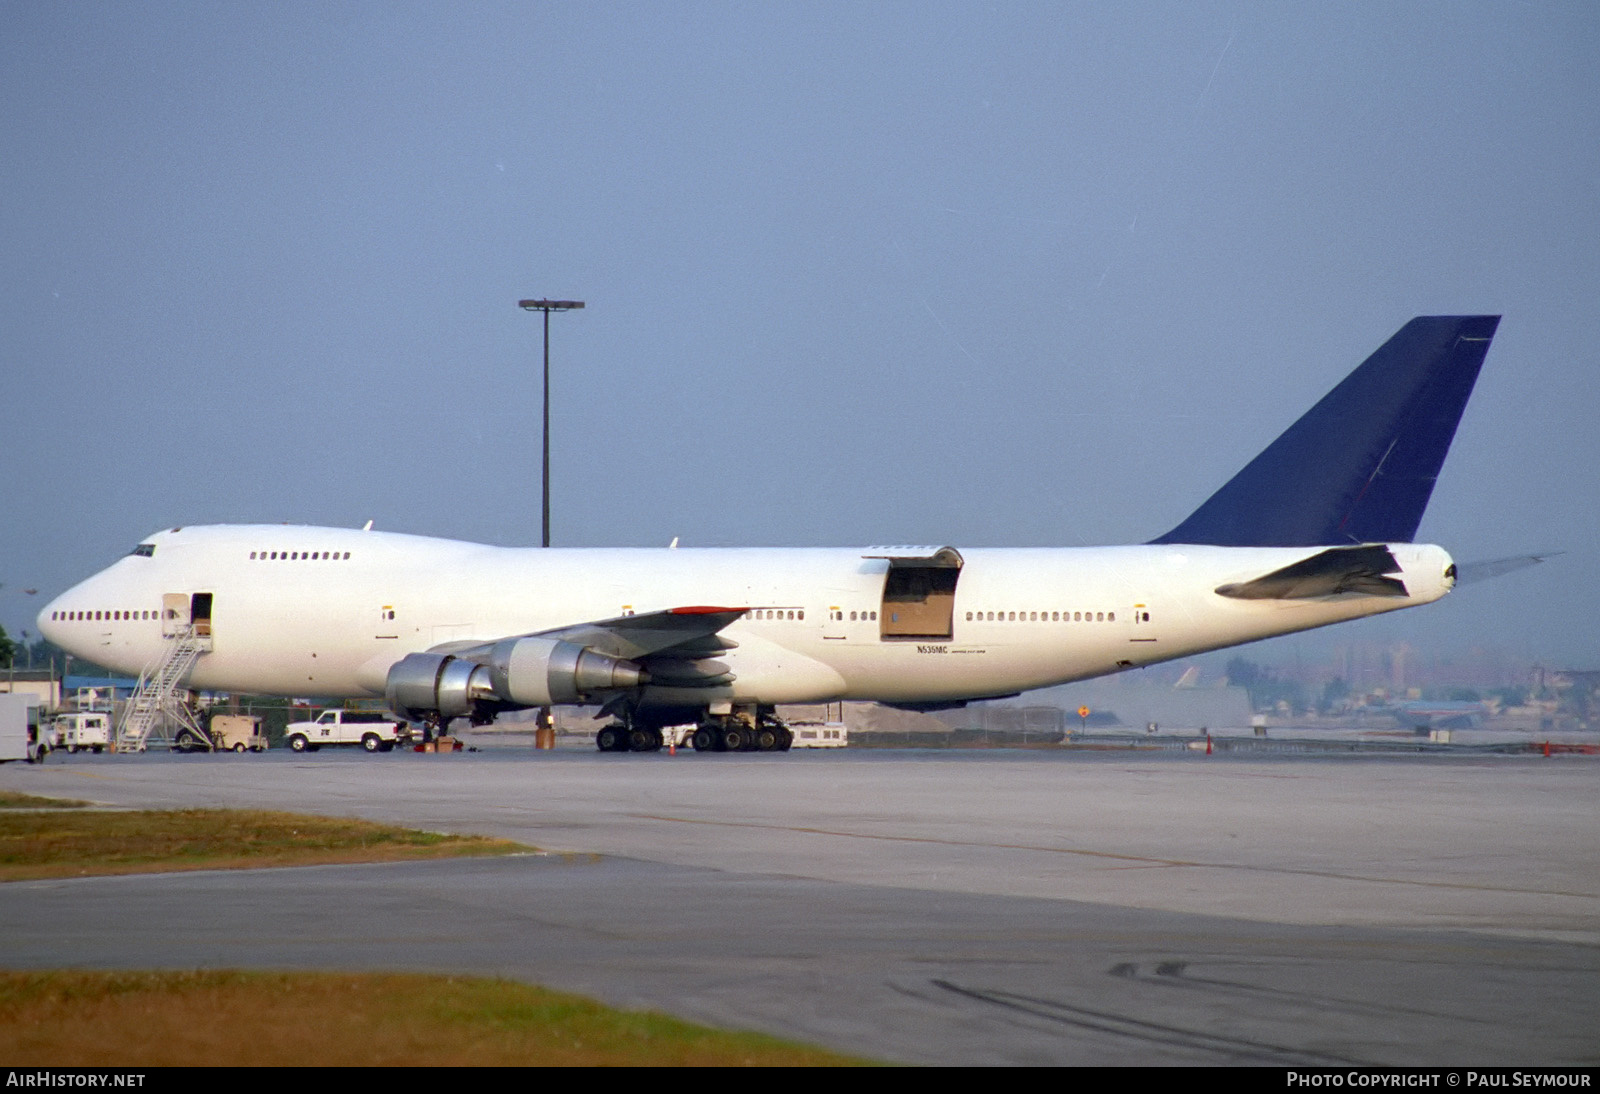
(144, 550)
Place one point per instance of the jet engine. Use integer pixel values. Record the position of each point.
(540, 672)
(520, 672)
(423, 682)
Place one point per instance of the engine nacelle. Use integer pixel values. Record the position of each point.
(422, 682)
(541, 672)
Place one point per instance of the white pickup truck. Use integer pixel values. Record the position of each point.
(373, 730)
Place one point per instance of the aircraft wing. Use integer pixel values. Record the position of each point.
(676, 647)
(1363, 570)
(675, 631)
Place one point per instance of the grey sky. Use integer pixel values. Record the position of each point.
(981, 274)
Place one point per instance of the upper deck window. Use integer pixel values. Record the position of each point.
(144, 550)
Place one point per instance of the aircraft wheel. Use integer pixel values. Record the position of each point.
(705, 740)
(371, 742)
(609, 739)
(733, 738)
(297, 743)
(766, 740)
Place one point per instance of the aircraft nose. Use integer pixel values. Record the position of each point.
(47, 623)
(52, 618)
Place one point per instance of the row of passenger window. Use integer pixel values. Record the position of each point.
(778, 613)
(1000, 616)
(1042, 617)
(297, 556)
(76, 617)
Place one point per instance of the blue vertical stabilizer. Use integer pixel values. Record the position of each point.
(1359, 467)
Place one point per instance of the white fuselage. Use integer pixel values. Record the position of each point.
(326, 611)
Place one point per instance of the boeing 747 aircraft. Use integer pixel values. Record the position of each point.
(1317, 529)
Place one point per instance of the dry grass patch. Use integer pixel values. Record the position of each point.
(10, 799)
(157, 1019)
(71, 844)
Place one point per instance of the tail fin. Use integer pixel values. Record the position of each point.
(1359, 467)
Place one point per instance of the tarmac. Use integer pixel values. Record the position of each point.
(937, 907)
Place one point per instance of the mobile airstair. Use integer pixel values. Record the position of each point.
(159, 709)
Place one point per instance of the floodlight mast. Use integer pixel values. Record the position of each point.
(547, 306)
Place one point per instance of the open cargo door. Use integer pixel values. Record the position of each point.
(919, 593)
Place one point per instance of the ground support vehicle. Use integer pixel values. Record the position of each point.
(89, 730)
(20, 736)
(373, 730)
(820, 735)
(237, 733)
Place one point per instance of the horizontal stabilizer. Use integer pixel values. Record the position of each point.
(1469, 572)
(1360, 570)
(1360, 466)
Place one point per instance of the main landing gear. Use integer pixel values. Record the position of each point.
(757, 730)
(620, 737)
(738, 733)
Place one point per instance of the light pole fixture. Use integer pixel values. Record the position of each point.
(547, 306)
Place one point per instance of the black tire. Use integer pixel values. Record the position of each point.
(371, 742)
(239, 748)
(766, 740)
(733, 738)
(704, 739)
(298, 743)
(609, 739)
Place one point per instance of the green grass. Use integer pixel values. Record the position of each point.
(224, 1018)
(10, 799)
(77, 843)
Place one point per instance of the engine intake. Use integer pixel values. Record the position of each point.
(430, 681)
